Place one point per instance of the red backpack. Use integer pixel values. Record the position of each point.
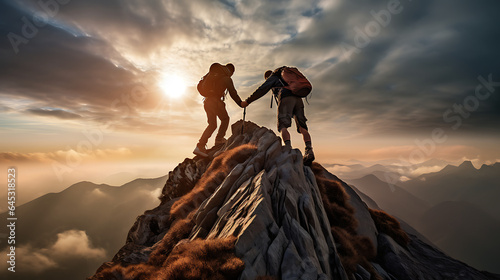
(297, 82)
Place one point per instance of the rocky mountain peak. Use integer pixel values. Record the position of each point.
(467, 165)
(254, 211)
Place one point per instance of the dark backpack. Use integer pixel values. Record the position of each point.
(209, 85)
(296, 81)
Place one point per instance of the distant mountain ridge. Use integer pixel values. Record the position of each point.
(460, 183)
(389, 170)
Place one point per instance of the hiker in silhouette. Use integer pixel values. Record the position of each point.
(289, 105)
(213, 87)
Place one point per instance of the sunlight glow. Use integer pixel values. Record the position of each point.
(172, 86)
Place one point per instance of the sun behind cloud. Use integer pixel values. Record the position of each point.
(172, 85)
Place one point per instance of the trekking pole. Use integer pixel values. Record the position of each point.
(244, 114)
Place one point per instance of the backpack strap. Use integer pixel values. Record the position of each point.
(277, 72)
(310, 95)
(275, 99)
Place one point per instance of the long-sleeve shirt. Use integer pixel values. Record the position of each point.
(232, 91)
(272, 82)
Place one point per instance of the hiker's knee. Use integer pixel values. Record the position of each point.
(301, 123)
(303, 131)
(284, 122)
(285, 135)
(224, 118)
(212, 126)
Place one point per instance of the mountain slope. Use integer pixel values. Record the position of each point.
(255, 210)
(391, 198)
(465, 232)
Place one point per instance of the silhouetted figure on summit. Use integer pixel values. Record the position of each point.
(213, 87)
(289, 86)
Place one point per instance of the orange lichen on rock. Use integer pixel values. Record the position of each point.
(389, 225)
(203, 259)
(211, 259)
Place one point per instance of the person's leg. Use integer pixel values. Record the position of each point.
(301, 122)
(285, 110)
(224, 122)
(212, 123)
(285, 135)
(305, 135)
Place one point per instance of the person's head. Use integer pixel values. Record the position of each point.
(267, 74)
(230, 67)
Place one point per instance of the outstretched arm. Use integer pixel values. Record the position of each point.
(271, 82)
(232, 91)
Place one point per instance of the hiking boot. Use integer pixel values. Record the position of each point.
(220, 141)
(200, 151)
(308, 156)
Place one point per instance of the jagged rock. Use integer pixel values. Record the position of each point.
(272, 204)
(183, 178)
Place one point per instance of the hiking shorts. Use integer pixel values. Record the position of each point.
(291, 107)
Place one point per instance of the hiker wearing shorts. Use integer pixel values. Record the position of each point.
(216, 108)
(289, 106)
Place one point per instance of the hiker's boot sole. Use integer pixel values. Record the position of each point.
(200, 153)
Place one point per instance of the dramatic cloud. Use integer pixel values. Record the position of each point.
(391, 66)
(22, 157)
(75, 243)
(339, 169)
(32, 260)
(421, 150)
(83, 152)
(57, 113)
(415, 172)
(155, 194)
(384, 73)
(411, 72)
(97, 193)
(70, 245)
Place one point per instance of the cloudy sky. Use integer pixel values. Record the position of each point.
(83, 95)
